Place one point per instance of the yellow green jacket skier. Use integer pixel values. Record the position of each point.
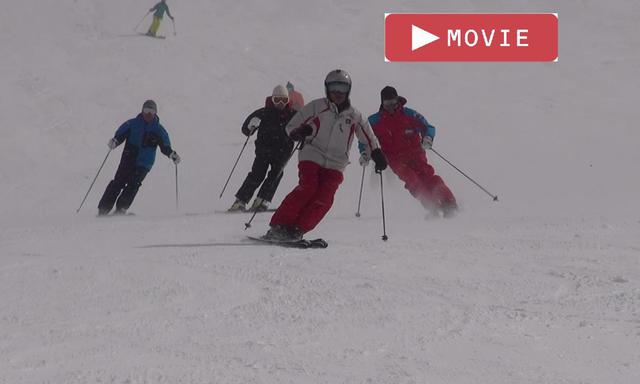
(159, 9)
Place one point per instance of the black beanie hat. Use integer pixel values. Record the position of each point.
(388, 93)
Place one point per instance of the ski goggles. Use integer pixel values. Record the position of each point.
(390, 103)
(279, 100)
(149, 110)
(338, 87)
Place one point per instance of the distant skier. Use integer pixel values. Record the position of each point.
(326, 127)
(404, 135)
(297, 101)
(273, 149)
(160, 8)
(142, 135)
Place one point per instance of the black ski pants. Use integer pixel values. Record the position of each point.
(123, 188)
(261, 164)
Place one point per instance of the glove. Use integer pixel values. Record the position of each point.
(379, 159)
(427, 142)
(364, 159)
(249, 130)
(113, 143)
(175, 157)
(301, 132)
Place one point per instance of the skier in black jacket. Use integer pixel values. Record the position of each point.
(273, 149)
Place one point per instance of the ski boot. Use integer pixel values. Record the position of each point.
(277, 233)
(449, 209)
(238, 206)
(259, 205)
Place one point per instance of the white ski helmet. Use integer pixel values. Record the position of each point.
(280, 91)
(280, 97)
(335, 77)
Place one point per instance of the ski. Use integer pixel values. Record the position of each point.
(247, 211)
(319, 243)
(200, 245)
(303, 244)
(117, 215)
(221, 212)
(155, 37)
(254, 241)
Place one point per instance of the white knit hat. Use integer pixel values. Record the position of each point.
(280, 91)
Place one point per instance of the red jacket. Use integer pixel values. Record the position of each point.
(296, 100)
(402, 131)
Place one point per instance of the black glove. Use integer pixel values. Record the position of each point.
(175, 157)
(379, 159)
(249, 130)
(301, 132)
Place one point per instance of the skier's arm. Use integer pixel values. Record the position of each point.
(122, 133)
(372, 148)
(372, 120)
(169, 13)
(305, 116)
(165, 143)
(425, 129)
(367, 141)
(245, 126)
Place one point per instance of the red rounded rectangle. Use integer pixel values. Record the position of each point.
(471, 37)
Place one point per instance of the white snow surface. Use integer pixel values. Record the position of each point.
(542, 286)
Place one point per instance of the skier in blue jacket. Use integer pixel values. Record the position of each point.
(141, 135)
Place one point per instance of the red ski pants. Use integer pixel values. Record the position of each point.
(420, 179)
(310, 201)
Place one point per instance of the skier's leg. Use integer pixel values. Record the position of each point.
(268, 188)
(314, 212)
(412, 181)
(131, 189)
(437, 189)
(309, 179)
(254, 178)
(155, 24)
(115, 186)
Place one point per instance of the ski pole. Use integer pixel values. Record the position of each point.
(174, 26)
(94, 180)
(384, 226)
(247, 225)
(495, 197)
(141, 20)
(234, 166)
(177, 204)
(360, 197)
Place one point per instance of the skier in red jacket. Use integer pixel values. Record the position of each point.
(404, 135)
(297, 101)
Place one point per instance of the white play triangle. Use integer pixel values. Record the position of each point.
(420, 37)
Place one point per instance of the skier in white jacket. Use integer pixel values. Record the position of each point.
(326, 128)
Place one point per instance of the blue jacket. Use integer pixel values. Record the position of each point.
(142, 139)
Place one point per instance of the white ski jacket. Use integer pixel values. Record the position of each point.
(333, 133)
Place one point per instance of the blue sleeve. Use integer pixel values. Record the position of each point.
(373, 119)
(165, 146)
(425, 128)
(361, 146)
(122, 133)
